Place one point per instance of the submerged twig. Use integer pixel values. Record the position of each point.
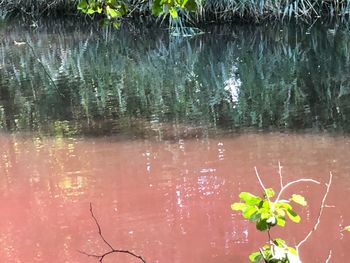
(112, 250)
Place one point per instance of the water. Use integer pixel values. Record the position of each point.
(169, 202)
(84, 80)
(162, 135)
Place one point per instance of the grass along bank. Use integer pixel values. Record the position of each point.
(210, 10)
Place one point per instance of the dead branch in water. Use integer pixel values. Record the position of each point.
(111, 249)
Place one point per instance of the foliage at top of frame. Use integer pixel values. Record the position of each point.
(114, 10)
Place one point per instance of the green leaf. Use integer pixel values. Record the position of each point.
(173, 12)
(255, 257)
(281, 221)
(293, 216)
(250, 212)
(116, 25)
(265, 213)
(284, 206)
(157, 8)
(184, 2)
(123, 9)
(90, 11)
(191, 5)
(265, 204)
(262, 225)
(298, 199)
(347, 228)
(269, 192)
(239, 206)
(292, 251)
(279, 242)
(112, 13)
(280, 212)
(249, 198)
(82, 6)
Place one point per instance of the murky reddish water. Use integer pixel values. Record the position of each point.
(169, 202)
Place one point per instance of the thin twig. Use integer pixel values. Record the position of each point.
(99, 228)
(101, 257)
(291, 183)
(329, 256)
(261, 183)
(319, 215)
(112, 250)
(280, 174)
(269, 235)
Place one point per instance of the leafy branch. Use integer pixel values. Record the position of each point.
(111, 250)
(267, 213)
(113, 11)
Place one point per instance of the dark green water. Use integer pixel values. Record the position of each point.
(73, 79)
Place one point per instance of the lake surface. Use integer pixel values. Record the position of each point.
(169, 202)
(161, 135)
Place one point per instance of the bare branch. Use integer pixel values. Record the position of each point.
(112, 250)
(99, 228)
(280, 174)
(261, 183)
(259, 179)
(319, 215)
(329, 256)
(89, 255)
(291, 183)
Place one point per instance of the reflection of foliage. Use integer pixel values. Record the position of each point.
(255, 78)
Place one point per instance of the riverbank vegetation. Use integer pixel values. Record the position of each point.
(206, 11)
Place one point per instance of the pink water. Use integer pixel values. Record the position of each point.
(169, 202)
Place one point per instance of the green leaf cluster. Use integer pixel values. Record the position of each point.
(116, 9)
(164, 7)
(275, 252)
(265, 213)
(112, 10)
